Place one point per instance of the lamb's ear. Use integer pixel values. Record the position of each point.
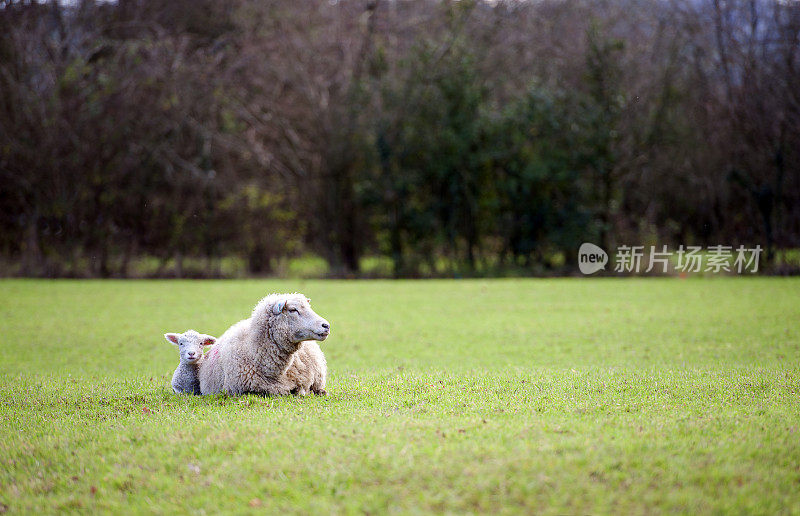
(172, 338)
(278, 306)
(208, 340)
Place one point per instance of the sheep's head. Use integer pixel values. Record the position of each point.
(190, 344)
(292, 318)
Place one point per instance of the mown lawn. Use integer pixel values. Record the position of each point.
(513, 396)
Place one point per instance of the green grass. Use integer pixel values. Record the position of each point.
(515, 396)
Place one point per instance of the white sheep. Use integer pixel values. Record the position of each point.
(255, 355)
(190, 345)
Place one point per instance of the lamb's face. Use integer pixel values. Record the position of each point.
(190, 344)
(299, 320)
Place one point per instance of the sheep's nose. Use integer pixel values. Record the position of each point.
(326, 326)
(191, 353)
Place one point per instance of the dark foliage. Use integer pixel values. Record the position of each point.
(451, 138)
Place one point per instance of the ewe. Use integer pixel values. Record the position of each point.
(255, 355)
(190, 344)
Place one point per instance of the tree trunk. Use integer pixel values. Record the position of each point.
(178, 264)
(396, 242)
(32, 255)
(258, 261)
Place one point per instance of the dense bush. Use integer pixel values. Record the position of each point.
(464, 137)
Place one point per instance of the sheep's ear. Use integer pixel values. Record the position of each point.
(172, 338)
(208, 340)
(278, 306)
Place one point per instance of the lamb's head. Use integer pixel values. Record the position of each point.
(290, 318)
(190, 344)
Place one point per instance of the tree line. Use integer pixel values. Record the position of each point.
(440, 137)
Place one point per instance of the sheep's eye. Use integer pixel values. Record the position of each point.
(293, 310)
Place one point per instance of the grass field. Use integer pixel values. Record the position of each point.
(547, 396)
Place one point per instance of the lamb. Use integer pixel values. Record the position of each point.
(257, 355)
(190, 344)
